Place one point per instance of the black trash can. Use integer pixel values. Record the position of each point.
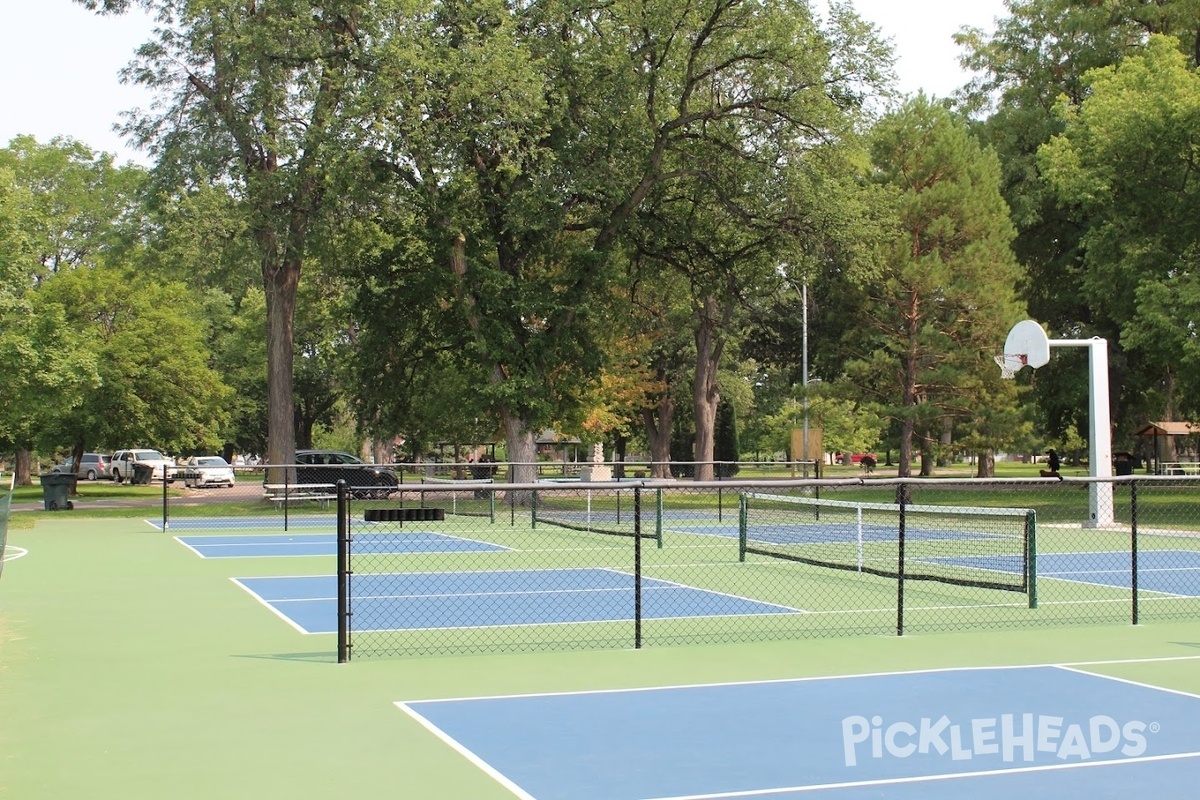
(1122, 463)
(56, 490)
(142, 473)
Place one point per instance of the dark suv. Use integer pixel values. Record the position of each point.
(330, 466)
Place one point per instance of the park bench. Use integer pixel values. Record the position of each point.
(281, 493)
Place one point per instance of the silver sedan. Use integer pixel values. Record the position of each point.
(202, 471)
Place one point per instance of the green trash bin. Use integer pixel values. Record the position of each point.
(56, 490)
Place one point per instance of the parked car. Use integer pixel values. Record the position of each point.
(202, 471)
(124, 461)
(329, 466)
(92, 466)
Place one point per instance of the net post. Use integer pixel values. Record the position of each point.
(637, 567)
(166, 505)
(859, 537)
(492, 506)
(742, 526)
(1133, 547)
(343, 573)
(533, 501)
(1031, 557)
(658, 516)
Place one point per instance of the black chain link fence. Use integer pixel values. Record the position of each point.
(555, 566)
(441, 565)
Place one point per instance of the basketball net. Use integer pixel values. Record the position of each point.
(1010, 364)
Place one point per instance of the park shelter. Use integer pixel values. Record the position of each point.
(558, 446)
(1171, 447)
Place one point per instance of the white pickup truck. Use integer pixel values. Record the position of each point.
(123, 462)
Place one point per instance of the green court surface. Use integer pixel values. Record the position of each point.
(130, 668)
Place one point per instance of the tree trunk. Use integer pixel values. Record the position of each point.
(987, 464)
(945, 454)
(24, 467)
(281, 281)
(926, 457)
(77, 456)
(620, 446)
(705, 394)
(522, 452)
(658, 422)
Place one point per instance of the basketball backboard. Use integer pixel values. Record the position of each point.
(1026, 345)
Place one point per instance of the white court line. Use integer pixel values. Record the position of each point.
(809, 678)
(270, 607)
(466, 753)
(924, 778)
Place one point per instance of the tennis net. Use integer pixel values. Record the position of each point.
(611, 511)
(990, 548)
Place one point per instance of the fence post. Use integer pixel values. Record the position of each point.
(287, 500)
(900, 564)
(1133, 546)
(1031, 557)
(637, 567)
(166, 509)
(343, 573)
(742, 526)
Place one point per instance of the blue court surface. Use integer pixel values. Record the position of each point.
(1169, 572)
(985, 734)
(428, 600)
(409, 542)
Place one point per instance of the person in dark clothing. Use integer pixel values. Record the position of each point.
(1053, 463)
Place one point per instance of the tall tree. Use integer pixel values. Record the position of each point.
(63, 208)
(263, 95)
(947, 295)
(528, 136)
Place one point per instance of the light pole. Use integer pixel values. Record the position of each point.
(804, 371)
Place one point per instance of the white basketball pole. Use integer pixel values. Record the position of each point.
(1100, 502)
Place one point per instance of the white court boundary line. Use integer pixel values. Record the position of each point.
(924, 778)
(261, 540)
(1066, 665)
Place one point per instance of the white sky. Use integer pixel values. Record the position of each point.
(60, 62)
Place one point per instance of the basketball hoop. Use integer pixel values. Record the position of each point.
(1010, 364)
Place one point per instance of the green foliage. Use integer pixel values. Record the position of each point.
(49, 371)
(73, 207)
(1125, 161)
(149, 342)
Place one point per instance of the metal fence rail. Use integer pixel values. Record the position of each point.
(503, 567)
